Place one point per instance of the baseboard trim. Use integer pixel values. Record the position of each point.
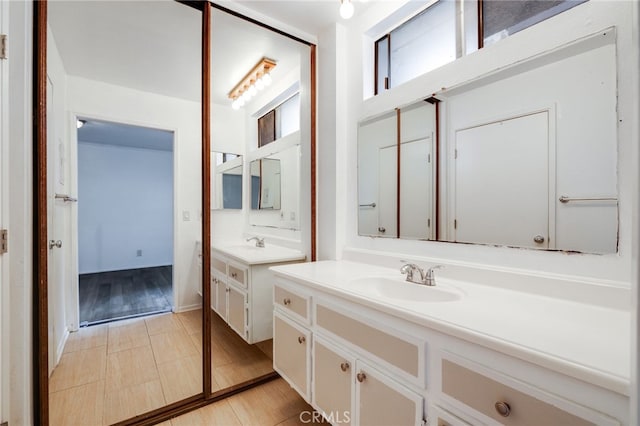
(187, 308)
(61, 345)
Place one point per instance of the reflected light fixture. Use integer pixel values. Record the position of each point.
(346, 9)
(257, 79)
(80, 123)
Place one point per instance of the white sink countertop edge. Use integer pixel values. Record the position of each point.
(587, 342)
(249, 254)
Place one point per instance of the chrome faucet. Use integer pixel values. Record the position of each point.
(259, 241)
(426, 278)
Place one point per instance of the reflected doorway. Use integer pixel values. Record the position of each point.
(125, 221)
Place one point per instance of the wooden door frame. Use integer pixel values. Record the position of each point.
(40, 237)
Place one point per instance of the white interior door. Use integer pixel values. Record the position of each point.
(55, 230)
(388, 191)
(502, 182)
(416, 194)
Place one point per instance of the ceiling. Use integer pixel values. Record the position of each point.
(154, 46)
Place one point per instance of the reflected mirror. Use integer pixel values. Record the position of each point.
(540, 173)
(226, 181)
(265, 184)
(124, 141)
(275, 189)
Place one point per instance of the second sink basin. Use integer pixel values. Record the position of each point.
(399, 289)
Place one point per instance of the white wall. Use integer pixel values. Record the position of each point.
(579, 22)
(126, 205)
(119, 104)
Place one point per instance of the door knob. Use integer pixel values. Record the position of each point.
(538, 239)
(54, 243)
(382, 229)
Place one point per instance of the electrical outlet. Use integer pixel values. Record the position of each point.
(139, 253)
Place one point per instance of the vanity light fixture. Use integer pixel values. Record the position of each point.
(257, 79)
(346, 9)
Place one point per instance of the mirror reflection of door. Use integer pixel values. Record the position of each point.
(131, 237)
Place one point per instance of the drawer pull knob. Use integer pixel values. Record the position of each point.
(286, 301)
(361, 377)
(503, 408)
(302, 339)
(344, 366)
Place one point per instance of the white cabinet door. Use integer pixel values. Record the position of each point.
(291, 353)
(222, 299)
(382, 401)
(333, 378)
(236, 310)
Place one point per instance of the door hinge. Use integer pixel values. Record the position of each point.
(455, 154)
(4, 241)
(3, 46)
(428, 223)
(455, 223)
(428, 158)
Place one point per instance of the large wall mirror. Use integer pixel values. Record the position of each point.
(271, 132)
(140, 126)
(124, 182)
(492, 163)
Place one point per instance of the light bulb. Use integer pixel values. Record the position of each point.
(346, 9)
(259, 84)
(266, 79)
(240, 102)
(235, 104)
(253, 90)
(246, 96)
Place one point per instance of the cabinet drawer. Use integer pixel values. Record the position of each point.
(219, 265)
(291, 302)
(489, 397)
(392, 349)
(238, 275)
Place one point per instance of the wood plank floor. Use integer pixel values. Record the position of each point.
(120, 294)
(111, 372)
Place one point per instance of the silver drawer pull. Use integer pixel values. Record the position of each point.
(286, 301)
(302, 339)
(503, 408)
(361, 377)
(538, 239)
(344, 366)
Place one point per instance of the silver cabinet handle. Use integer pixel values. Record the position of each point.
(538, 239)
(361, 377)
(503, 408)
(286, 301)
(344, 366)
(54, 243)
(302, 339)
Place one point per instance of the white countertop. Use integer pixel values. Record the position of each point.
(588, 342)
(248, 253)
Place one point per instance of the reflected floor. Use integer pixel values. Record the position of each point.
(115, 371)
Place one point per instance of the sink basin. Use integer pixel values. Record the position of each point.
(399, 289)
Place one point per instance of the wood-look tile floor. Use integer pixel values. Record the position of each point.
(115, 371)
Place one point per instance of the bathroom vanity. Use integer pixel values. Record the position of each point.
(242, 285)
(363, 346)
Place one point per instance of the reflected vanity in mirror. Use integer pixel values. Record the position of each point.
(536, 173)
(226, 181)
(265, 184)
